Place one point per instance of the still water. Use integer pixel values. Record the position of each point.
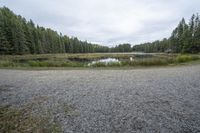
(106, 61)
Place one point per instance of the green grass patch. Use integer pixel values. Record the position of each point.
(186, 58)
(54, 64)
(22, 121)
(7, 63)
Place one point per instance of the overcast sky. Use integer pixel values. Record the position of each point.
(108, 22)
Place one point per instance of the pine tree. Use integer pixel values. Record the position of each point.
(4, 44)
(196, 46)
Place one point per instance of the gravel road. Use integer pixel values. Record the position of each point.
(165, 100)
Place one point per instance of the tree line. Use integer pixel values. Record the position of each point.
(121, 48)
(185, 38)
(19, 36)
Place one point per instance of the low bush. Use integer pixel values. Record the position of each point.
(186, 58)
(6, 63)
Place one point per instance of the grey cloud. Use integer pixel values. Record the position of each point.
(107, 22)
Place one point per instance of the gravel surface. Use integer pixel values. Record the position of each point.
(141, 100)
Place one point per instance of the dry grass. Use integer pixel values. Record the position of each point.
(23, 120)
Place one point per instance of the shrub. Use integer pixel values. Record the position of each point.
(33, 63)
(6, 63)
(114, 64)
(186, 58)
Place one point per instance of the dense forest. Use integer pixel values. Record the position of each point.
(184, 39)
(19, 36)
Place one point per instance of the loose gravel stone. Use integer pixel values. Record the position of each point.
(151, 100)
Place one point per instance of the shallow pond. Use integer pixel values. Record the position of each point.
(132, 57)
(105, 61)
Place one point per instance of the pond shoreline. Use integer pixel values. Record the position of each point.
(95, 60)
(192, 63)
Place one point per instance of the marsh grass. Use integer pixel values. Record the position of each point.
(82, 60)
(186, 58)
(162, 60)
(54, 64)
